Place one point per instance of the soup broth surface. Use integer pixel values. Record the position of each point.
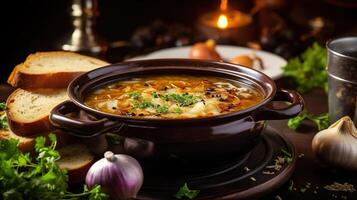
(173, 97)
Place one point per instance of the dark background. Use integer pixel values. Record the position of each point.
(36, 25)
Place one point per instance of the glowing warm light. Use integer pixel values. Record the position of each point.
(224, 5)
(222, 21)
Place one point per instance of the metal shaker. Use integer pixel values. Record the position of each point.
(342, 78)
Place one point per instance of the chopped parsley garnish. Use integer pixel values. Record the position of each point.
(181, 99)
(143, 105)
(2, 106)
(3, 120)
(41, 178)
(114, 139)
(155, 95)
(162, 109)
(184, 191)
(287, 156)
(291, 186)
(177, 110)
(134, 95)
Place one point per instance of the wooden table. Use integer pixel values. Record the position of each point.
(308, 169)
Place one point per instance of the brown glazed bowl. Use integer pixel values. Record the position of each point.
(234, 133)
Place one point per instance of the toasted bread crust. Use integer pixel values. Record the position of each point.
(76, 172)
(34, 81)
(78, 175)
(26, 144)
(22, 79)
(21, 128)
(29, 129)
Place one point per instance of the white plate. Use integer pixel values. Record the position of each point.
(273, 63)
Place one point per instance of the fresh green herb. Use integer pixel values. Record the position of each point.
(177, 110)
(322, 121)
(162, 109)
(134, 95)
(41, 178)
(287, 156)
(291, 186)
(309, 70)
(181, 99)
(277, 197)
(144, 104)
(155, 95)
(2, 106)
(3, 120)
(184, 191)
(114, 139)
(305, 188)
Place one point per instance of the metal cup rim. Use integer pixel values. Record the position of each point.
(330, 49)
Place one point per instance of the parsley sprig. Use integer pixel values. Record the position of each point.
(322, 121)
(185, 192)
(181, 99)
(308, 71)
(41, 178)
(3, 119)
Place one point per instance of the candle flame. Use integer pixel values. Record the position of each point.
(222, 21)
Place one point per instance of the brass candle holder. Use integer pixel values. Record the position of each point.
(84, 38)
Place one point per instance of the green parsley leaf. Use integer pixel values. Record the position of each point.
(322, 121)
(134, 95)
(155, 95)
(143, 105)
(308, 71)
(177, 110)
(162, 109)
(3, 122)
(181, 99)
(114, 139)
(184, 191)
(2, 106)
(41, 178)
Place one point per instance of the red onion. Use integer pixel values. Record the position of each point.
(119, 175)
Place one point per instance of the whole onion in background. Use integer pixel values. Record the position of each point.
(120, 175)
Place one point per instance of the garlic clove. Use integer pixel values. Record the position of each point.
(337, 145)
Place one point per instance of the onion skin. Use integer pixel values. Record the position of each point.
(243, 60)
(120, 176)
(204, 51)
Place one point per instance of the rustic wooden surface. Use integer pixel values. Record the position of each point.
(308, 169)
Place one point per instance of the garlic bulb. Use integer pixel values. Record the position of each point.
(337, 145)
(119, 175)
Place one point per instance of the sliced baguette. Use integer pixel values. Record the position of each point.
(28, 111)
(26, 144)
(51, 69)
(77, 160)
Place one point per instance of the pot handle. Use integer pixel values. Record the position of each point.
(273, 112)
(84, 126)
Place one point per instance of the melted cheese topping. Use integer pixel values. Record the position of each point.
(173, 97)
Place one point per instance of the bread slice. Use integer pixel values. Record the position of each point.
(54, 69)
(26, 144)
(77, 160)
(28, 111)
